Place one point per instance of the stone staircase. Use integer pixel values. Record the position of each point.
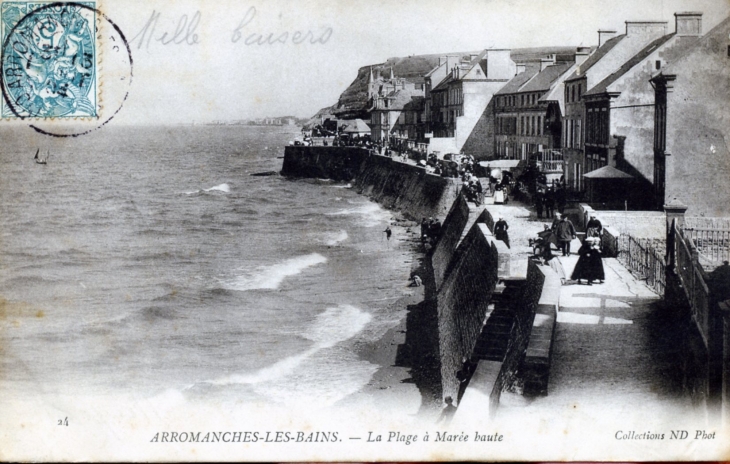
(495, 336)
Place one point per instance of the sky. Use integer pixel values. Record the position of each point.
(220, 66)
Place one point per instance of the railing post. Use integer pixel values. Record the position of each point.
(674, 211)
(725, 397)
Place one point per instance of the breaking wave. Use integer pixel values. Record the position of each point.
(270, 277)
(334, 325)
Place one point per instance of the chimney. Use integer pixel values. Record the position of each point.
(581, 54)
(688, 23)
(545, 62)
(442, 60)
(499, 64)
(649, 29)
(604, 35)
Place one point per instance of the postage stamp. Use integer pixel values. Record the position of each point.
(49, 60)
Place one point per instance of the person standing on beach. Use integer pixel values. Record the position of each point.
(388, 233)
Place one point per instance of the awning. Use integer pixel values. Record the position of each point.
(607, 172)
(504, 165)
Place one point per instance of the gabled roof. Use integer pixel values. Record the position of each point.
(720, 30)
(602, 86)
(443, 84)
(607, 172)
(478, 60)
(519, 80)
(556, 92)
(595, 57)
(357, 126)
(544, 79)
(398, 100)
(416, 104)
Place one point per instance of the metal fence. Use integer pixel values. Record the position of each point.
(693, 281)
(643, 261)
(712, 243)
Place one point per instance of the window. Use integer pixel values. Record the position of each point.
(522, 125)
(658, 64)
(572, 98)
(579, 90)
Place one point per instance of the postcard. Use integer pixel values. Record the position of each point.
(364, 231)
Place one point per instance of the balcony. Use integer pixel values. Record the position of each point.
(549, 161)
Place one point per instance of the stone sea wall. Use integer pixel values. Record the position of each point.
(406, 188)
(403, 187)
(466, 274)
(450, 235)
(463, 302)
(336, 163)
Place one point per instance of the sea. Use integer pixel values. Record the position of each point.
(148, 261)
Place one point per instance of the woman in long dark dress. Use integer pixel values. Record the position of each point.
(589, 265)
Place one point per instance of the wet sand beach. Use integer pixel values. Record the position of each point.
(407, 380)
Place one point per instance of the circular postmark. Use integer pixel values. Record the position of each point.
(66, 66)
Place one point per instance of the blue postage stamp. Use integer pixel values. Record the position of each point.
(49, 62)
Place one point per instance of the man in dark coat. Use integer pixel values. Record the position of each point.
(538, 205)
(564, 233)
(549, 203)
(500, 231)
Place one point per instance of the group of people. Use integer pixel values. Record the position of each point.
(590, 265)
(430, 231)
(547, 200)
(472, 188)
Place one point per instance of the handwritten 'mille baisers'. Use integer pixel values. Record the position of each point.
(186, 32)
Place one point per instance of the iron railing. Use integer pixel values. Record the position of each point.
(644, 261)
(712, 243)
(692, 277)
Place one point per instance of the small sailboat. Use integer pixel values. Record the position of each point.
(39, 160)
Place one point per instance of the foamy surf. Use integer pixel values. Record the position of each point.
(334, 325)
(333, 238)
(371, 213)
(225, 188)
(270, 277)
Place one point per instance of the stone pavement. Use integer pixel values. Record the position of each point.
(523, 225)
(615, 352)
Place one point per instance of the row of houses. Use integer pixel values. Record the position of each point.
(647, 104)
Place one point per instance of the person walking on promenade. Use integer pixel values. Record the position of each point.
(564, 233)
(538, 205)
(549, 203)
(500, 231)
(594, 228)
(589, 265)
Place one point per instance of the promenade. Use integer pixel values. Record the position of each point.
(615, 351)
